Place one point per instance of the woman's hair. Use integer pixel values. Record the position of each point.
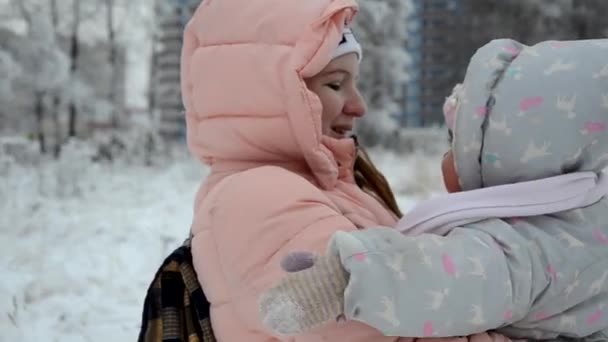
(372, 181)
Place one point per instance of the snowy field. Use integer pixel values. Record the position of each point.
(80, 241)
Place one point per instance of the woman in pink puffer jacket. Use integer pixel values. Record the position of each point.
(270, 93)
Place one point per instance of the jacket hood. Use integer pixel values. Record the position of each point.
(532, 112)
(242, 76)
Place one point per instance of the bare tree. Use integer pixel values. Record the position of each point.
(73, 113)
(112, 61)
(38, 94)
(54, 38)
(43, 62)
(154, 36)
(9, 71)
(56, 98)
(117, 13)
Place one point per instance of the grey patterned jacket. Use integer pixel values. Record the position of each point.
(503, 255)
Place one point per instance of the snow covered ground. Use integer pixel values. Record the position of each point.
(81, 241)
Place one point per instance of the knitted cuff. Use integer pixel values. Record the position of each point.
(306, 299)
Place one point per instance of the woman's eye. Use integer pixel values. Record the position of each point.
(334, 86)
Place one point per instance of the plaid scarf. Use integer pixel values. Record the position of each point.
(175, 307)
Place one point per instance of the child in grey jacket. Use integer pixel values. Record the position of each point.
(519, 244)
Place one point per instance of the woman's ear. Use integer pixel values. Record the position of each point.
(448, 169)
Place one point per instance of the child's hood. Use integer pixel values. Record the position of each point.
(242, 77)
(526, 113)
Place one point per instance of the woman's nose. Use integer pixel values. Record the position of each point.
(355, 106)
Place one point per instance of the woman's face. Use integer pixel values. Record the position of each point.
(336, 87)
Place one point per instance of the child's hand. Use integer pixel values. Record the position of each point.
(310, 296)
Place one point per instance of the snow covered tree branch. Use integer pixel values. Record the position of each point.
(381, 28)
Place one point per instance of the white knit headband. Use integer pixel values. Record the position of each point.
(347, 45)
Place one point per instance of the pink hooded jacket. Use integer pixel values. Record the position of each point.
(276, 184)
